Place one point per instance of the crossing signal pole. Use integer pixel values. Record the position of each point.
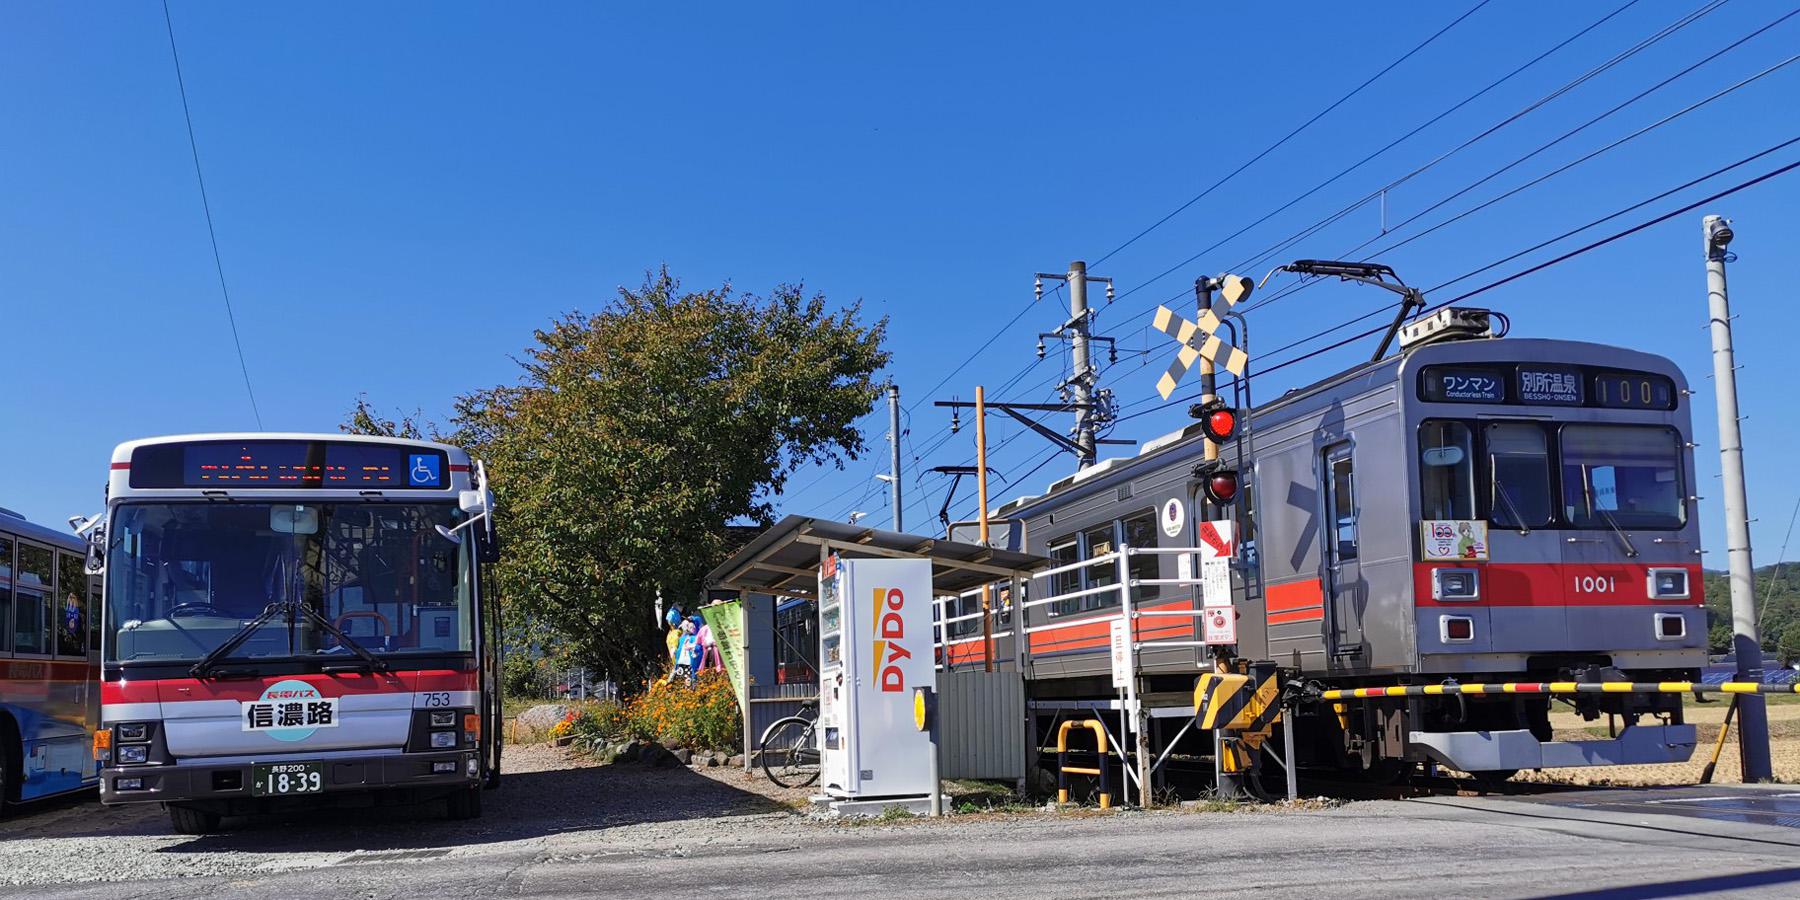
(1753, 722)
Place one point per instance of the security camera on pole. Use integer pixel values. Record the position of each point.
(1753, 722)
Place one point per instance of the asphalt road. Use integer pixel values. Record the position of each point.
(623, 831)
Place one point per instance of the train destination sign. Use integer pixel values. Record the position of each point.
(1560, 385)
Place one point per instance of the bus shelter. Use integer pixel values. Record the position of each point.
(974, 705)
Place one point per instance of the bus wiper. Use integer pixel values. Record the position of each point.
(1624, 539)
(375, 662)
(219, 653)
(1506, 498)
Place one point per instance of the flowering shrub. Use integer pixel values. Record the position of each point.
(701, 716)
(565, 726)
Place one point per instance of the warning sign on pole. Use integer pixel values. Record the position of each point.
(1121, 653)
(1220, 624)
(1217, 546)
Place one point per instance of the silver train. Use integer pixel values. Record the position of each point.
(1474, 510)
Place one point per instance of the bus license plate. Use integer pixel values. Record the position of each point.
(282, 779)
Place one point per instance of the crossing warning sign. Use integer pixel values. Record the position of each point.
(1220, 624)
(1216, 549)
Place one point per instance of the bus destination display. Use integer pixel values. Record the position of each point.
(288, 464)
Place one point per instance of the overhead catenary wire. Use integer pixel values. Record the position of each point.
(1292, 134)
(206, 207)
(1617, 59)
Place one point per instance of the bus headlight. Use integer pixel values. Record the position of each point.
(1668, 584)
(443, 740)
(134, 753)
(133, 731)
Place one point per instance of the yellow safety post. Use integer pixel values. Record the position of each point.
(1063, 768)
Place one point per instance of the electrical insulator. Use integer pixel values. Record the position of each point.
(1112, 353)
(1037, 287)
(1109, 292)
(955, 420)
(1040, 348)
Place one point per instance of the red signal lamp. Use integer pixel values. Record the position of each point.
(1221, 487)
(1218, 421)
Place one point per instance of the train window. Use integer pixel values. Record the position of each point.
(32, 579)
(1099, 541)
(6, 571)
(1342, 503)
(71, 606)
(1519, 466)
(1627, 476)
(1446, 471)
(1062, 553)
(1140, 531)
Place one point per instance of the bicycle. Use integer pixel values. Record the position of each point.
(788, 751)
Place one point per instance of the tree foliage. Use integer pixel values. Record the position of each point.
(1778, 612)
(637, 434)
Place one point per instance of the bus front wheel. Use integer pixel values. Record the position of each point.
(464, 804)
(188, 820)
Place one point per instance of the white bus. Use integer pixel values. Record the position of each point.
(295, 619)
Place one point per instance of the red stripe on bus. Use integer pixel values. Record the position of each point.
(173, 690)
(456, 468)
(1295, 595)
(123, 465)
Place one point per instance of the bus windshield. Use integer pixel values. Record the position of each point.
(184, 578)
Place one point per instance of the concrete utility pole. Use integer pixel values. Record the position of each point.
(894, 451)
(1081, 380)
(1753, 721)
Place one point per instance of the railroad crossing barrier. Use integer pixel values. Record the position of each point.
(1312, 693)
(1063, 769)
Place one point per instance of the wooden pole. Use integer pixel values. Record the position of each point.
(987, 614)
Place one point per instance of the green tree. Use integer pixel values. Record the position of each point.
(636, 434)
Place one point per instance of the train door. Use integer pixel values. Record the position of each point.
(1343, 568)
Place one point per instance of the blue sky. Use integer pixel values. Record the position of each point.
(401, 198)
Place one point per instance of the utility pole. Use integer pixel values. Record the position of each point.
(1753, 722)
(894, 451)
(1092, 408)
(987, 603)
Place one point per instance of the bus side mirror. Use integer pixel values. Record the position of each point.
(92, 529)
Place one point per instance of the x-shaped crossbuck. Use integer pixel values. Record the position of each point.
(1185, 333)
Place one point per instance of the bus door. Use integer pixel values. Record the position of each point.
(1343, 569)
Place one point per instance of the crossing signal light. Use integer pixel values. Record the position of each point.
(1221, 487)
(1217, 420)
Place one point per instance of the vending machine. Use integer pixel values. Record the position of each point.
(874, 648)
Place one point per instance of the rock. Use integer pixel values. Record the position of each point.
(655, 754)
(712, 760)
(543, 717)
(736, 762)
(683, 755)
(623, 753)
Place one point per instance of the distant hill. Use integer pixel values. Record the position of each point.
(1778, 606)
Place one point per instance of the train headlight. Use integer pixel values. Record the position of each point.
(134, 731)
(1455, 584)
(134, 753)
(1668, 584)
(1456, 629)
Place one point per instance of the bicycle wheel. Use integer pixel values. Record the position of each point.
(787, 753)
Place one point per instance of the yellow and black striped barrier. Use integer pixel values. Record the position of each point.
(1559, 687)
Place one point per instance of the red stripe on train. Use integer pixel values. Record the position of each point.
(173, 690)
(1295, 595)
(1558, 584)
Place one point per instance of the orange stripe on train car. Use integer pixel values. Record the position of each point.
(1294, 595)
(1314, 614)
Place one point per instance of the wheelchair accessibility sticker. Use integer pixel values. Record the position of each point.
(424, 470)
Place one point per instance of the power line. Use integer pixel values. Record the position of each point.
(1616, 236)
(1640, 46)
(1290, 135)
(206, 206)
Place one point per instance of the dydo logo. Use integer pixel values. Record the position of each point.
(890, 630)
(289, 710)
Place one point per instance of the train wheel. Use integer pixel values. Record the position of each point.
(188, 820)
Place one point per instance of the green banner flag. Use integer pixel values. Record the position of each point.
(727, 623)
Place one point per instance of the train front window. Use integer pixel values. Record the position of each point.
(184, 578)
(1519, 467)
(1446, 471)
(1625, 476)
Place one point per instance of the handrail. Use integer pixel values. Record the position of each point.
(1078, 564)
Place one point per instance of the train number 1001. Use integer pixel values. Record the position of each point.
(1594, 584)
